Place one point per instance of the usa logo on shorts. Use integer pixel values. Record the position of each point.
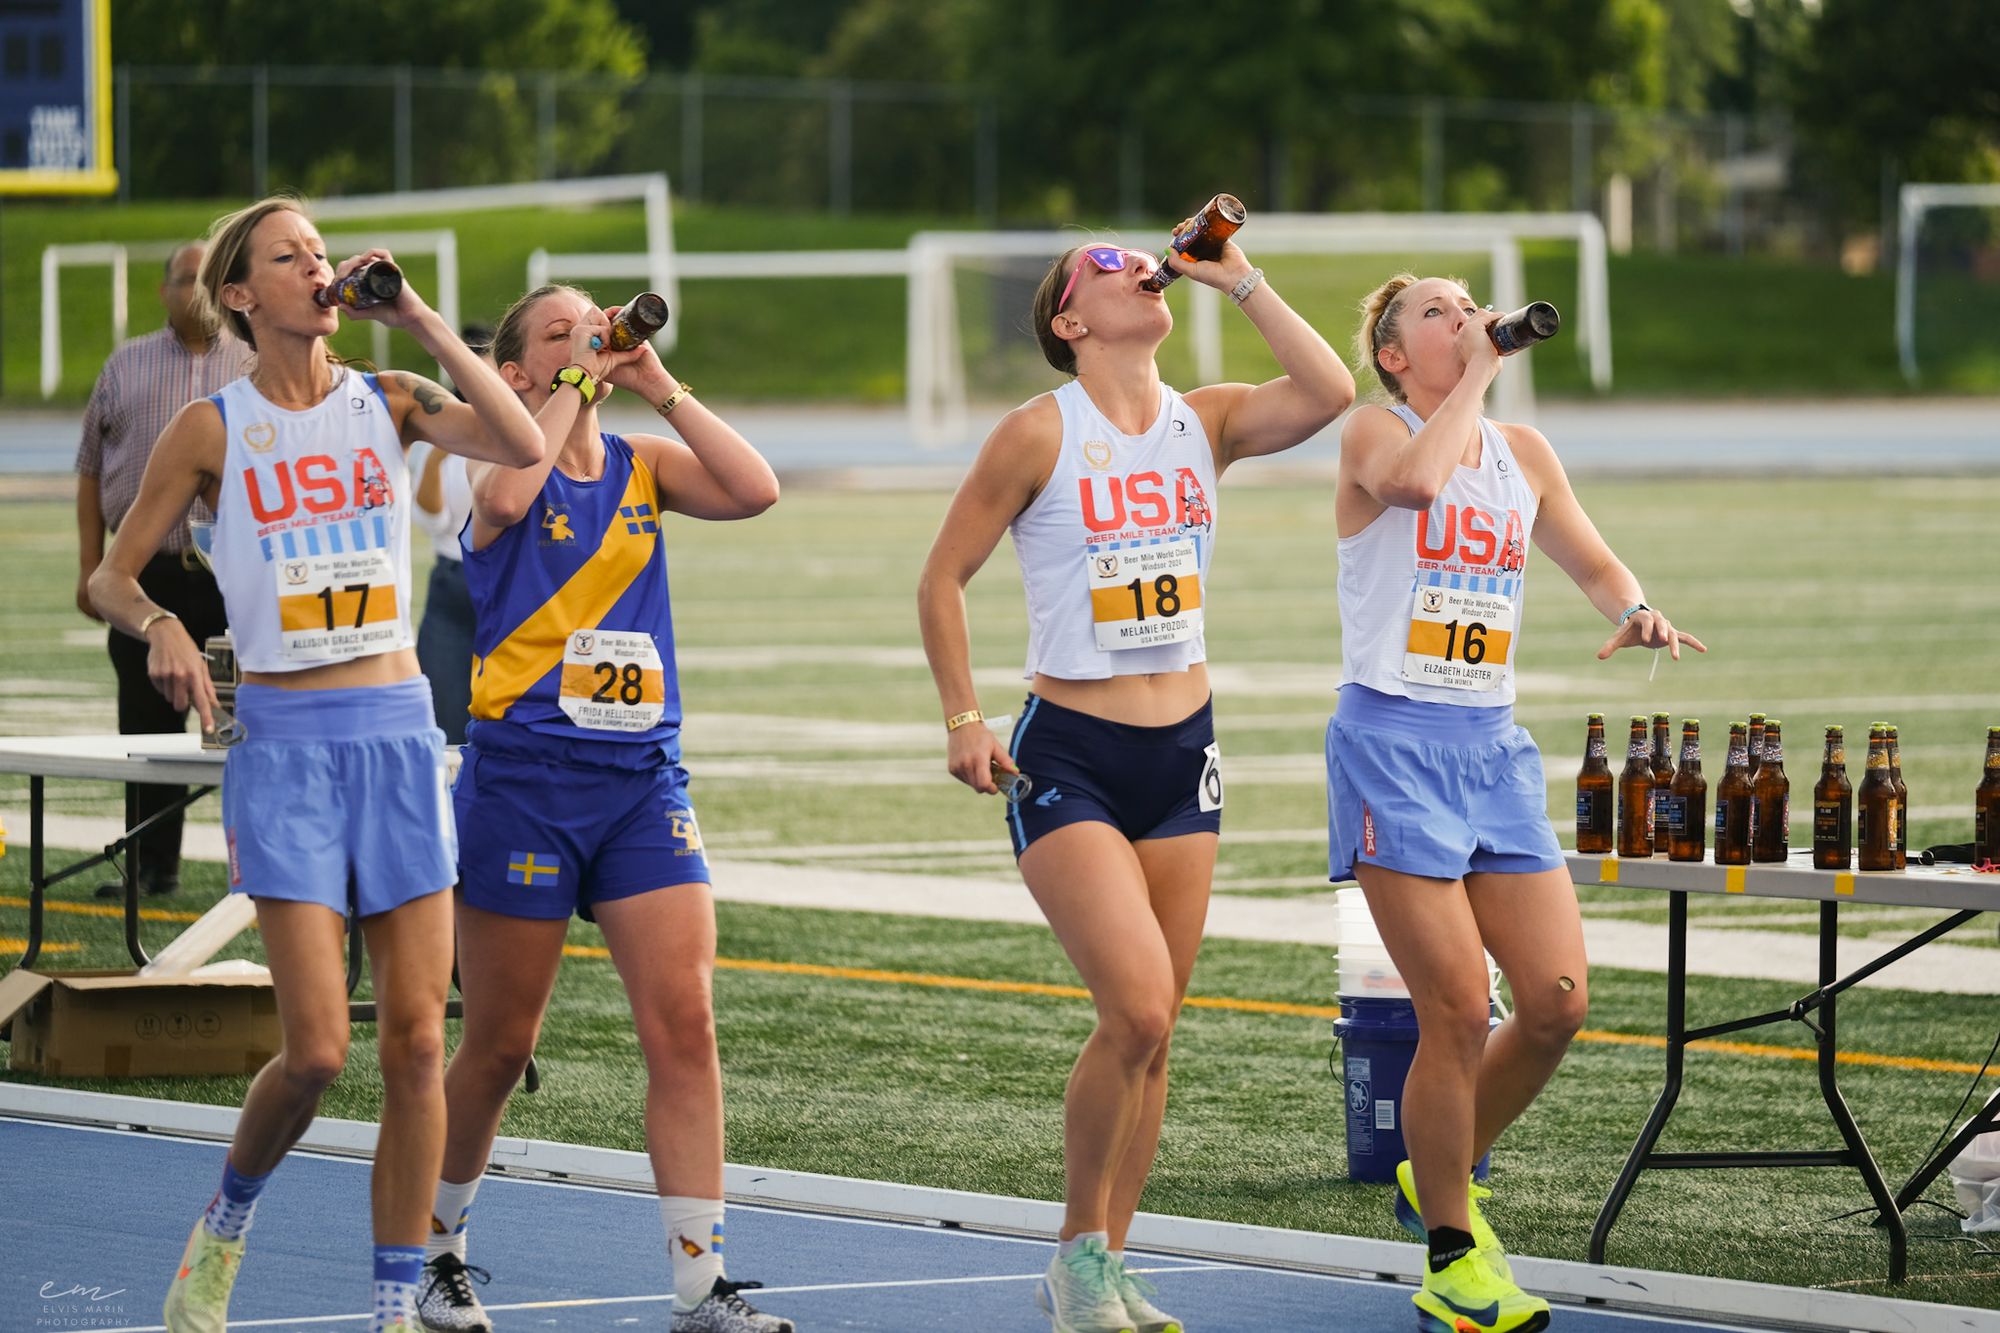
(1367, 831)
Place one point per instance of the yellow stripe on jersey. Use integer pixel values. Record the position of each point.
(535, 647)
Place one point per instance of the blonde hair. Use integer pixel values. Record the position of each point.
(510, 335)
(1381, 321)
(228, 260)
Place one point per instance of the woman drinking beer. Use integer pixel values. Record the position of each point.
(334, 805)
(1108, 487)
(1435, 800)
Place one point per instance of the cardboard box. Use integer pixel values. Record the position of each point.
(95, 1024)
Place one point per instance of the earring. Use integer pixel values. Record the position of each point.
(1080, 331)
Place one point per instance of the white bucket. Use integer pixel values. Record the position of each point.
(1366, 970)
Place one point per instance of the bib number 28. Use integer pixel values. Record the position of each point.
(612, 680)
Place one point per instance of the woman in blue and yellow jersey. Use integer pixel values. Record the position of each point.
(572, 797)
(1108, 487)
(335, 804)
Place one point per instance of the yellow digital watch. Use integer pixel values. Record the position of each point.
(579, 379)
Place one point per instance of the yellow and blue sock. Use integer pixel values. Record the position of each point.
(397, 1270)
(229, 1213)
(449, 1218)
(694, 1243)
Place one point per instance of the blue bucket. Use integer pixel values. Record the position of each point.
(1378, 1039)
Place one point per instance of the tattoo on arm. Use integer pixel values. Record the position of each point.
(429, 395)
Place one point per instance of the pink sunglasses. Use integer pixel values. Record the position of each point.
(1109, 259)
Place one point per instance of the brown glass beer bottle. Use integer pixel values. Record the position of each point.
(1756, 743)
(1772, 791)
(1532, 323)
(1833, 806)
(1687, 801)
(370, 284)
(1986, 805)
(1663, 779)
(1201, 238)
(1902, 797)
(1734, 808)
(639, 319)
(1635, 795)
(1594, 793)
(1877, 832)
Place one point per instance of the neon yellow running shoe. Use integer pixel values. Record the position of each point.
(1467, 1296)
(1482, 1234)
(198, 1301)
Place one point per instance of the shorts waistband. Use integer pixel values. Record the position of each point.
(513, 741)
(1103, 730)
(355, 713)
(1438, 724)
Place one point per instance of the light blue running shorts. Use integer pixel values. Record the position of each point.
(1436, 790)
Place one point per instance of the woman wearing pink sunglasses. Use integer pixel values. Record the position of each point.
(1108, 487)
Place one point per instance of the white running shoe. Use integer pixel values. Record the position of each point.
(723, 1311)
(198, 1301)
(446, 1302)
(1080, 1294)
(1137, 1293)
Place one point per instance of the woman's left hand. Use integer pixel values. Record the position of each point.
(1649, 629)
(1222, 274)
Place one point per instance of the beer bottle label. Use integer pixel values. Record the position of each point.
(1861, 827)
(1829, 821)
(1675, 811)
(1595, 748)
(1593, 812)
(1895, 839)
(1720, 807)
(1660, 799)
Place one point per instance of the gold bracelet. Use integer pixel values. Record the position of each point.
(674, 399)
(154, 619)
(957, 720)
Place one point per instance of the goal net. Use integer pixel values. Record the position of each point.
(1948, 287)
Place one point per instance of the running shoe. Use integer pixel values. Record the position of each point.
(723, 1311)
(1137, 1293)
(446, 1302)
(1467, 1296)
(1482, 1234)
(1080, 1292)
(198, 1301)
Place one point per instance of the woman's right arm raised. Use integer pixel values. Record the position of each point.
(187, 456)
(1010, 471)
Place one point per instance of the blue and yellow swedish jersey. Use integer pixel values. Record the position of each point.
(574, 634)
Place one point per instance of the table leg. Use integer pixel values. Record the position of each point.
(37, 871)
(1829, 1087)
(1656, 1123)
(1982, 1122)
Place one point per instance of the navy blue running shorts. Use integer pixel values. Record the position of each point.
(1146, 782)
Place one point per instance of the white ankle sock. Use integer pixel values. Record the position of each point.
(1068, 1247)
(694, 1243)
(449, 1217)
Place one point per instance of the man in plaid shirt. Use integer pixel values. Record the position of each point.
(141, 387)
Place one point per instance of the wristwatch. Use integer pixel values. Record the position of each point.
(577, 378)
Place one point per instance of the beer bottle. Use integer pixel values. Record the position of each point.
(639, 319)
(1986, 805)
(1902, 798)
(1527, 326)
(1687, 802)
(1663, 780)
(1201, 238)
(1593, 792)
(1756, 743)
(1635, 795)
(1877, 833)
(1772, 792)
(1833, 806)
(1733, 804)
(370, 284)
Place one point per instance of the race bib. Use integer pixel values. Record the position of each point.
(336, 606)
(1209, 796)
(612, 680)
(1145, 595)
(1458, 639)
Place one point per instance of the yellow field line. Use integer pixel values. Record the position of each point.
(882, 976)
(48, 946)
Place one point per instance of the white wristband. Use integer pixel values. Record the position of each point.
(1241, 291)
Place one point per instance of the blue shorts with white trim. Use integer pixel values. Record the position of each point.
(1437, 790)
(338, 797)
(1146, 782)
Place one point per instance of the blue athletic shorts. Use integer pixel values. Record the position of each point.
(1146, 782)
(1437, 790)
(338, 797)
(552, 825)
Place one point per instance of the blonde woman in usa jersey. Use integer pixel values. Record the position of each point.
(1108, 487)
(334, 803)
(1435, 800)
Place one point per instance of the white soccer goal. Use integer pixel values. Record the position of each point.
(1916, 204)
(939, 397)
(55, 258)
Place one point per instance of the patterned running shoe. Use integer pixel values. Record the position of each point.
(1080, 1292)
(198, 1301)
(723, 1311)
(446, 1302)
(1467, 1296)
(1482, 1234)
(1137, 1293)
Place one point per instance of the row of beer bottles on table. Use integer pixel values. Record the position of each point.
(1663, 806)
